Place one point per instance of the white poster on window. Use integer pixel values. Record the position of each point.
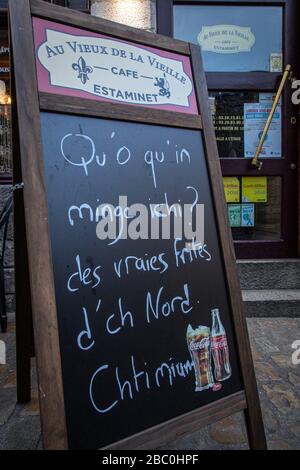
(255, 118)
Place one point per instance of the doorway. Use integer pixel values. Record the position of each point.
(245, 47)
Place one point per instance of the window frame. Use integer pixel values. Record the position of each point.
(264, 81)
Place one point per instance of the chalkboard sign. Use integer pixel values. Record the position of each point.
(138, 321)
(146, 292)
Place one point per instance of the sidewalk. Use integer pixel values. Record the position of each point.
(278, 382)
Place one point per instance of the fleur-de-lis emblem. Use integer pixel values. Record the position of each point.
(83, 70)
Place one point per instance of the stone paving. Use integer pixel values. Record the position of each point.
(278, 382)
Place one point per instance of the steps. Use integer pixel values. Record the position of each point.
(270, 288)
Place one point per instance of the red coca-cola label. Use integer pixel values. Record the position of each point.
(219, 342)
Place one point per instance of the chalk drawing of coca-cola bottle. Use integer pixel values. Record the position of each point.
(219, 348)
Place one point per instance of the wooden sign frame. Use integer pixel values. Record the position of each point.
(29, 102)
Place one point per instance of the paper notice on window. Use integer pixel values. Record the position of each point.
(231, 189)
(212, 105)
(268, 98)
(255, 118)
(254, 189)
(248, 215)
(234, 215)
(276, 63)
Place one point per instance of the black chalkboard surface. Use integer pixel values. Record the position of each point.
(122, 326)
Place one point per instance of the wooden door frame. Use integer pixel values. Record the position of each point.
(263, 81)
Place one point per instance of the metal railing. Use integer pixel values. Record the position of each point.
(5, 140)
(5, 214)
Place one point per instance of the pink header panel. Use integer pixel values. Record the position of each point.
(75, 62)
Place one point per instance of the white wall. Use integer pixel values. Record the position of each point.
(137, 13)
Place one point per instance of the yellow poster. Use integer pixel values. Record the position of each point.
(232, 189)
(254, 189)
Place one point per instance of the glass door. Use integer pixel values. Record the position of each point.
(245, 46)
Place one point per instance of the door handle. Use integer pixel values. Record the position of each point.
(255, 162)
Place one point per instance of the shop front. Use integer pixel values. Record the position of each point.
(245, 47)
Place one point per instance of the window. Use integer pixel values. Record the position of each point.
(233, 38)
(239, 118)
(245, 46)
(254, 207)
